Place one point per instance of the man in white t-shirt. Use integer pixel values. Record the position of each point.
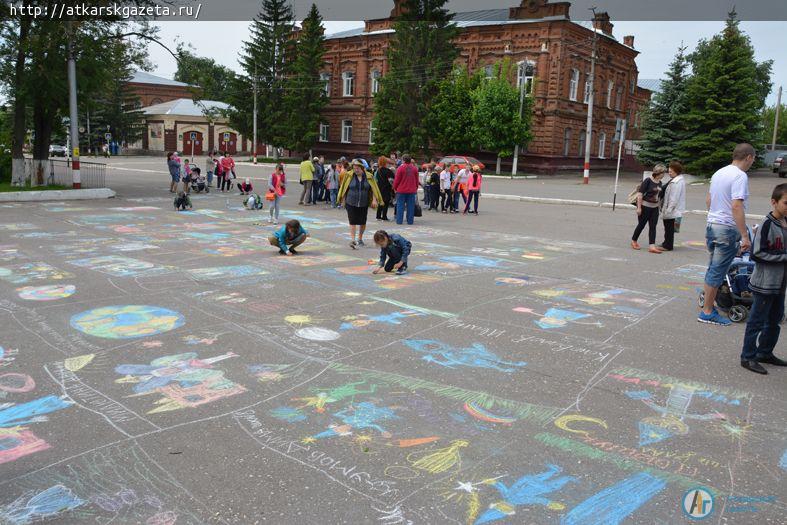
(725, 233)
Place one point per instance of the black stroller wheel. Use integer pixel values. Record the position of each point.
(738, 313)
(701, 300)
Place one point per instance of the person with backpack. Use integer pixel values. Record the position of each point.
(648, 199)
(473, 189)
(406, 187)
(673, 204)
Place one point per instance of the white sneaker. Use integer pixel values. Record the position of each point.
(275, 221)
(270, 220)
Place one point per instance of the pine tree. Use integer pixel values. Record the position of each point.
(769, 119)
(420, 54)
(264, 59)
(664, 121)
(451, 112)
(304, 96)
(724, 99)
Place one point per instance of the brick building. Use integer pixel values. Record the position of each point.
(552, 54)
(153, 89)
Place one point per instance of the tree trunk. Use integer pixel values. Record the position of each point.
(18, 177)
(497, 168)
(42, 124)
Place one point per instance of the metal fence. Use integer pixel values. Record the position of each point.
(92, 174)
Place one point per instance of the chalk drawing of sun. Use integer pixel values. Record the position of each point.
(298, 319)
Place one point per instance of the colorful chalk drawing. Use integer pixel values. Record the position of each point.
(599, 299)
(274, 373)
(317, 260)
(783, 460)
(36, 271)
(127, 321)
(484, 414)
(31, 508)
(45, 235)
(316, 333)
(16, 440)
(118, 218)
(225, 272)
(529, 489)
(324, 397)
(9, 252)
(476, 356)
(352, 322)
(16, 383)
(615, 503)
(437, 266)
(521, 280)
(361, 416)
(118, 266)
(555, 317)
(46, 293)
(20, 226)
(440, 460)
(7, 355)
(288, 414)
(183, 381)
(474, 261)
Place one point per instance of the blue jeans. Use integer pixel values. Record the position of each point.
(402, 200)
(722, 243)
(762, 327)
(316, 190)
(334, 194)
(210, 177)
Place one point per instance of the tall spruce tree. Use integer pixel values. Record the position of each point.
(665, 124)
(421, 53)
(451, 112)
(264, 59)
(304, 96)
(724, 99)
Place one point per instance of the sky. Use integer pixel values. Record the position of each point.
(657, 43)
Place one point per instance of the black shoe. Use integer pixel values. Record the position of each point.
(292, 251)
(754, 366)
(771, 360)
(282, 252)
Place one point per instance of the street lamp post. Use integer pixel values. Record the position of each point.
(521, 76)
(254, 124)
(76, 179)
(589, 124)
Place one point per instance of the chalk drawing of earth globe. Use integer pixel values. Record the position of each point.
(126, 321)
(46, 293)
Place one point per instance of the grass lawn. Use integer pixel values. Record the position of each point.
(6, 187)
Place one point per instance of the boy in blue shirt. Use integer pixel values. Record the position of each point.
(394, 250)
(289, 237)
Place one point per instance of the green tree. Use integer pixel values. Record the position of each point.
(768, 119)
(210, 80)
(664, 120)
(724, 99)
(421, 53)
(263, 61)
(498, 126)
(450, 117)
(304, 97)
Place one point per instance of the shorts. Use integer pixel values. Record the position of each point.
(357, 215)
(722, 243)
(175, 178)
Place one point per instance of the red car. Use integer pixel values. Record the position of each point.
(460, 160)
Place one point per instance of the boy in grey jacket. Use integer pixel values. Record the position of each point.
(768, 282)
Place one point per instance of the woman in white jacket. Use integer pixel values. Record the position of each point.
(673, 204)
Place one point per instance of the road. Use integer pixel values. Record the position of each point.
(161, 367)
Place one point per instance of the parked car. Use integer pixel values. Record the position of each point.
(56, 150)
(782, 168)
(777, 161)
(460, 160)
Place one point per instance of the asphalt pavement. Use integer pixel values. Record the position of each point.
(160, 367)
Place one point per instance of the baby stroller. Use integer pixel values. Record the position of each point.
(198, 182)
(734, 296)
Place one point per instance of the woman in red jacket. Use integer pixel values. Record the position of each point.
(473, 189)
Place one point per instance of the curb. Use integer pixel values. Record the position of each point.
(57, 195)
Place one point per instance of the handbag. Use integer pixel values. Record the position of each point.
(417, 212)
(270, 196)
(633, 196)
(678, 220)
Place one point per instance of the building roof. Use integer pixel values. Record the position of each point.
(142, 77)
(651, 84)
(485, 17)
(185, 107)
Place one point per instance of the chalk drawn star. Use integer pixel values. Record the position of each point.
(465, 486)
(363, 438)
(308, 440)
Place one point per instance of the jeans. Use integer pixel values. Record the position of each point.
(334, 194)
(447, 200)
(649, 216)
(458, 191)
(473, 195)
(762, 326)
(316, 191)
(306, 193)
(394, 256)
(669, 234)
(427, 196)
(274, 208)
(210, 177)
(402, 200)
(722, 243)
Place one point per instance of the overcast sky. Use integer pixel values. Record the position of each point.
(657, 43)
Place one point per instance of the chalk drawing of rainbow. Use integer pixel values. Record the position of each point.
(46, 293)
(481, 413)
(127, 321)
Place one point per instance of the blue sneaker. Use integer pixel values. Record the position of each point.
(713, 318)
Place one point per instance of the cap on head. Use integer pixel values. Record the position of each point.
(357, 162)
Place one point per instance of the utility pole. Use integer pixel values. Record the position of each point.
(776, 119)
(523, 66)
(589, 124)
(72, 109)
(254, 124)
(89, 136)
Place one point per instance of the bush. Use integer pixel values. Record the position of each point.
(5, 167)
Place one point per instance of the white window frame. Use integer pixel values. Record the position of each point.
(602, 145)
(323, 132)
(619, 98)
(586, 100)
(610, 89)
(573, 85)
(372, 131)
(325, 78)
(376, 76)
(567, 142)
(523, 76)
(347, 131)
(348, 84)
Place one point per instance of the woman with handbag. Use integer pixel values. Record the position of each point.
(383, 177)
(358, 192)
(648, 199)
(277, 187)
(673, 204)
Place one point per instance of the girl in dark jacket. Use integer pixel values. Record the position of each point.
(384, 176)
